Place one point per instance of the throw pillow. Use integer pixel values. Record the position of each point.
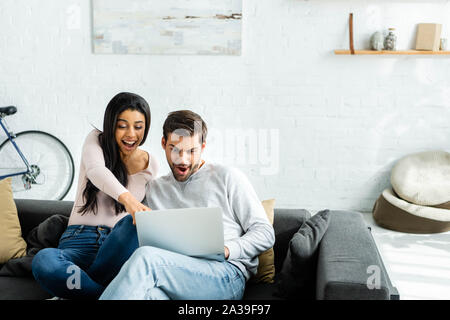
(266, 266)
(12, 245)
(298, 274)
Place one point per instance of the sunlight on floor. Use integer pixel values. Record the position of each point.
(418, 264)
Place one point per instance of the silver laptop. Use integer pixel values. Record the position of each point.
(196, 232)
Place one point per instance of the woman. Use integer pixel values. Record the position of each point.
(101, 234)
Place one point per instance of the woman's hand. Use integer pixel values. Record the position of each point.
(132, 205)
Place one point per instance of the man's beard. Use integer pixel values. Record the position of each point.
(191, 170)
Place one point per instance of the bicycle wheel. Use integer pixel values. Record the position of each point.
(52, 163)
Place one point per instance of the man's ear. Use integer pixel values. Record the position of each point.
(163, 143)
(203, 145)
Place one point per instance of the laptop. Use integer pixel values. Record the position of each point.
(195, 232)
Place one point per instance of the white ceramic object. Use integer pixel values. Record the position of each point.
(377, 41)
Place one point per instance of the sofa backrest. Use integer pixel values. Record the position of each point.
(33, 212)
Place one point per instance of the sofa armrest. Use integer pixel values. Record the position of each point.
(33, 212)
(349, 264)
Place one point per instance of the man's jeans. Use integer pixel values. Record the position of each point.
(86, 260)
(157, 274)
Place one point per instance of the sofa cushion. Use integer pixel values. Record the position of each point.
(261, 291)
(24, 288)
(297, 278)
(12, 245)
(286, 222)
(45, 235)
(266, 265)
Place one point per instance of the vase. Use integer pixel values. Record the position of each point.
(390, 42)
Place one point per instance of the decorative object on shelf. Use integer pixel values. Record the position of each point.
(377, 41)
(443, 45)
(390, 42)
(428, 36)
(350, 27)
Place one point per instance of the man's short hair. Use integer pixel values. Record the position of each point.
(185, 122)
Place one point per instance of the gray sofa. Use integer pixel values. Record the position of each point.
(346, 252)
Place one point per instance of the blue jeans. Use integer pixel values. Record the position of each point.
(156, 274)
(86, 260)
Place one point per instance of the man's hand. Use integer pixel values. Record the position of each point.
(132, 205)
(227, 252)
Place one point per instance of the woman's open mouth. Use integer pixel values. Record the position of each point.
(129, 145)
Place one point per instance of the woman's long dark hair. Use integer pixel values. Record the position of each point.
(121, 102)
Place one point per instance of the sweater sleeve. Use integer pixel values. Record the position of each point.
(259, 234)
(94, 163)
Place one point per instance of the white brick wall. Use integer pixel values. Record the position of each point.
(342, 121)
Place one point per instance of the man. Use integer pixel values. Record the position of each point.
(153, 273)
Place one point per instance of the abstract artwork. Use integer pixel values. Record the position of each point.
(196, 27)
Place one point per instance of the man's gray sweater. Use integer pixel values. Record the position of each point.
(247, 230)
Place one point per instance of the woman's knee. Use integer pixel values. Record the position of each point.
(45, 263)
(50, 263)
(125, 229)
(126, 221)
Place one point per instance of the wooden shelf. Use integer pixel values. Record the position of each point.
(386, 52)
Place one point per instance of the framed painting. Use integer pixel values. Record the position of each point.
(191, 27)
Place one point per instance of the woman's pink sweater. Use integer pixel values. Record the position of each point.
(93, 168)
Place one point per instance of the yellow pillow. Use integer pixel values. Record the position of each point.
(266, 266)
(12, 244)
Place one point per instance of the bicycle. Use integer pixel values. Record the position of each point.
(45, 170)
